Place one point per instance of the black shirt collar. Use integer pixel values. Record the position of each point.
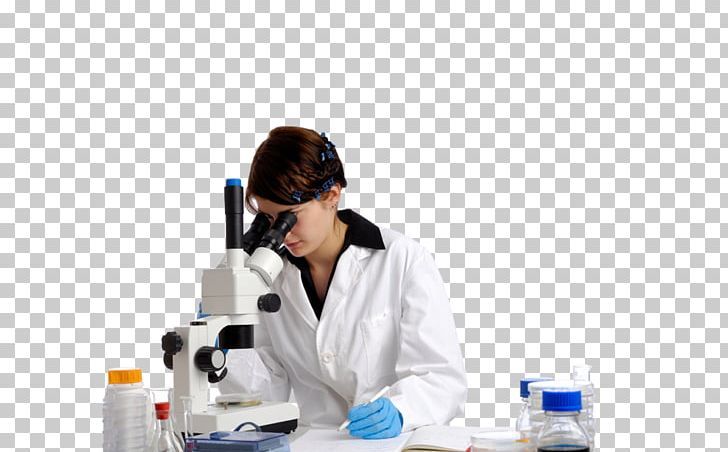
(361, 231)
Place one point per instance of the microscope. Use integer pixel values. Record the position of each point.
(233, 295)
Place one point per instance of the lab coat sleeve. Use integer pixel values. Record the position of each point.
(257, 369)
(431, 386)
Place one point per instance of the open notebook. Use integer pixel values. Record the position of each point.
(445, 438)
(429, 438)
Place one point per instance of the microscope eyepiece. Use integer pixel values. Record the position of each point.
(273, 238)
(260, 224)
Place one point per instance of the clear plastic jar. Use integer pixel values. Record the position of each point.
(562, 430)
(536, 411)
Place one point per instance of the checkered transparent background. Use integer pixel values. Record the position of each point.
(562, 160)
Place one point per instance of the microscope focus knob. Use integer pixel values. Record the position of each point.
(171, 343)
(168, 361)
(269, 302)
(209, 359)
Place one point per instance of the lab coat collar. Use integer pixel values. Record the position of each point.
(294, 294)
(348, 272)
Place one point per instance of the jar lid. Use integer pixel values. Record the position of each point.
(556, 399)
(124, 376)
(525, 382)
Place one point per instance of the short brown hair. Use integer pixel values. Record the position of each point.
(292, 166)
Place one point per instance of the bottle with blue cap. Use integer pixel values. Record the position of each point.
(579, 381)
(562, 430)
(523, 423)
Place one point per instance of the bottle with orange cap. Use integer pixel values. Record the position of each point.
(127, 412)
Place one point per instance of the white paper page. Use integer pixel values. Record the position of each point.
(318, 440)
(456, 438)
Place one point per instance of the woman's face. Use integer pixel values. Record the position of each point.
(314, 223)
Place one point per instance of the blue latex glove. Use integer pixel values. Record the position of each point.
(376, 420)
(202, 315)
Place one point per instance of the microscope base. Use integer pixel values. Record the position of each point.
(280, 417)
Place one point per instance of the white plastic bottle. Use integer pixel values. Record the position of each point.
(127, 412)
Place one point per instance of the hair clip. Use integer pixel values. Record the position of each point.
(329, 144)
(327, 155)
(326, 186)
(296, 195)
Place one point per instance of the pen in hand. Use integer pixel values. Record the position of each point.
(376, 396)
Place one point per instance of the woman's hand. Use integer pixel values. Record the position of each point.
(375, 420)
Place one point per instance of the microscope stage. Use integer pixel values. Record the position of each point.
(270, 416)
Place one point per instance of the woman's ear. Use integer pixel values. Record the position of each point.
(333, 195)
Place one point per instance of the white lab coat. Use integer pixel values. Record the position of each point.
(386, 320)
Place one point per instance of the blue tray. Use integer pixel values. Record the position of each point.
(239, 441)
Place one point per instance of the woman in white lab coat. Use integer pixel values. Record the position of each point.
(362, 307)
